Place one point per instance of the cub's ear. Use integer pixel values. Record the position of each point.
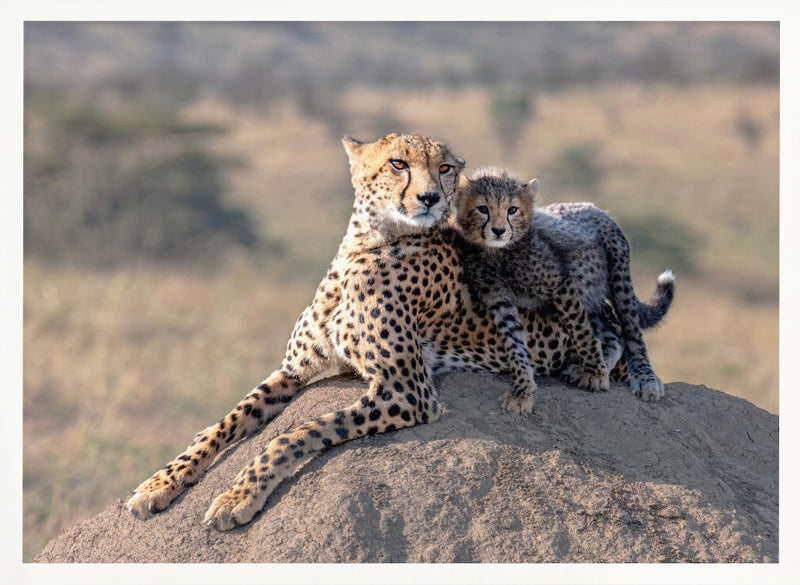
(352, 147)
(462, 193)
(533, 187)
(463, 186)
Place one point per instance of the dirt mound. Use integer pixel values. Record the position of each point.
(587, 478)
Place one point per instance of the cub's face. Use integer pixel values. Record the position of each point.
(404, 183)
(493, 209)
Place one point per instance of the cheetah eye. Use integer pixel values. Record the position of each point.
(512, 210)
(483, 209)
(400, 165)
(444, 169)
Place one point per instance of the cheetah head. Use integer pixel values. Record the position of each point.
(404, 183)
(494, 209)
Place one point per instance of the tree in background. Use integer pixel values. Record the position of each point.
(107, 185)
(749, 130)
(510, 110)
(577, 169)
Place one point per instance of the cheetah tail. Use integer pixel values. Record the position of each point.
(651, 312)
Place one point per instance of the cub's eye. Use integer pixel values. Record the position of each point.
(444, 169)
(400, 165)
(483, 209)
(512, 210)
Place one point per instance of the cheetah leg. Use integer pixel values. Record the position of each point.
(591, 373)
(262, 404)
(642, 380)
(391, 403)
(506, 319)
(607, 329)
(252, 412)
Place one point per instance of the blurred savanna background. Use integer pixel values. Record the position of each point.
(185, 189)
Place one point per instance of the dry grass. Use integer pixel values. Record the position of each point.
(121, 368)
(718, 341)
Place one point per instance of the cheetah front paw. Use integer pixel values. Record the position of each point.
(517, 404)
(153, 495)
(650, 390)
(233, 508)
(591, 379)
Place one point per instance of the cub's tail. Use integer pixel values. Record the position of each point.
(651, 312)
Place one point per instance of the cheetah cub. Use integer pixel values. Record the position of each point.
(508, 264)
(570, 257)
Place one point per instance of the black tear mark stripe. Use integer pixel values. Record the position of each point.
(408, 182)
(402, 207)
(483, 227)
(441, 184)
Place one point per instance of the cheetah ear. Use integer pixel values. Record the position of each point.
(462, 188)
(352, 147)
(533, 188)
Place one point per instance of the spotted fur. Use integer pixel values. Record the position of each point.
(393, 307)
(509, 264)
(573, 256)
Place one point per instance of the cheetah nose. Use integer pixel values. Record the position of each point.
(429, 199)
(499, 231)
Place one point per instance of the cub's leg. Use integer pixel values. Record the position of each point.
(591, 373)
(306, 355)
(606, 328)
(643, 380)
(509, 328)
(395, 399)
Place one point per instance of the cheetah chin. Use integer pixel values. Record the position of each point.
(497, 242)
(424, 220)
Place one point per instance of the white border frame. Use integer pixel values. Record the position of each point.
(13, 14)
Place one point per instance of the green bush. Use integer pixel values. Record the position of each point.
(577, 169)
(663, 242)
(509, 110)
(89, 125)
(166, 210)
(105, 187)
(750, 131)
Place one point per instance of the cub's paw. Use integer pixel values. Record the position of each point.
(154, 495)
(649, 390)
(517, 404)
(591, 379)
(235, 507)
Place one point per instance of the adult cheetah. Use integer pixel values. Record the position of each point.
(393, 306)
